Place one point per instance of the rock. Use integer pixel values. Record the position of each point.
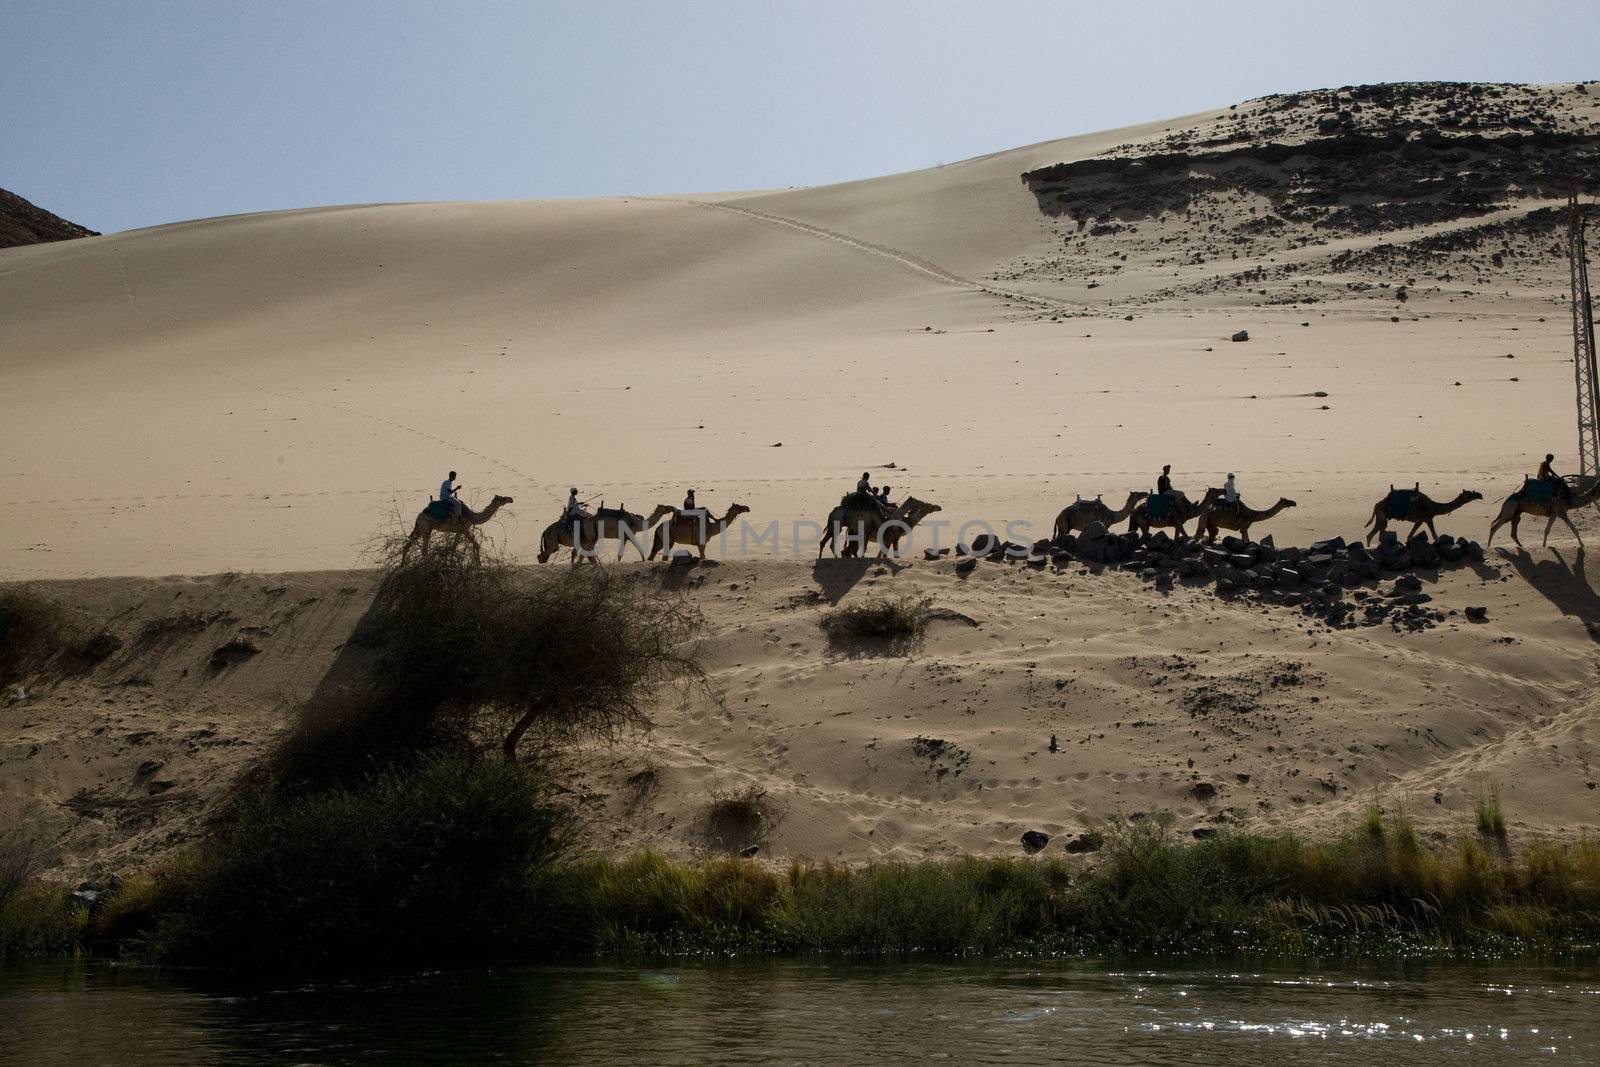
(1034, 840)
(1242, 335)
(1200, 833)
(1408, 583)
(966, 565)
(930, 554)
(984, 544)
(1330, 546)
(1478, 614)
(1424, 555)
(1203, 791)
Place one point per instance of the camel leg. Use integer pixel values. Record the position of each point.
(1573, 528)
(1377, 528)
(1431, 531)
(1515, 520)
(702, 551)
(1493, 526)
(1544, 543)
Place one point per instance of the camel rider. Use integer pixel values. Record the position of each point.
(883, 498)
(688, 501)
(1230, 492)
(1164, 483)
(865, 484)
(1548, 474)
(448, 497)
(574, 511)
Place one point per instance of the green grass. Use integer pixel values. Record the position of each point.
(36, 918)
(460, 861)
(1490, 820)
(1148, 891)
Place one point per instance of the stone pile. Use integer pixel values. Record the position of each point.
(1345, 585)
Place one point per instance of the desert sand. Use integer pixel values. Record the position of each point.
(253, 397)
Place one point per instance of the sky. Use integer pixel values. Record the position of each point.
(128, 114)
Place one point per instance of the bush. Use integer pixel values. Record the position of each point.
(32, 631)
(740, 819)
(473, 654)
(443, 860)
(36, 919)
(900, 620)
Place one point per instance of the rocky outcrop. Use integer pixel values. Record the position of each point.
(23, 223)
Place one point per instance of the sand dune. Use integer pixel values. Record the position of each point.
(261, 393)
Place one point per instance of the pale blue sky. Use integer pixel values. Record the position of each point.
(118, 115)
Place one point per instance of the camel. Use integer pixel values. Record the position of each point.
(1519, 504)
(1181, 511)
(847, 521)
(460, 525)
(900, 522)
(683, 529)
(607, 523)
(1077, 516)
(1424, 510)
(1238, 517)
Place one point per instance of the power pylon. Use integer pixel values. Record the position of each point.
(1583, 355)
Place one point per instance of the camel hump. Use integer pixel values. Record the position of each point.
(1400, 502)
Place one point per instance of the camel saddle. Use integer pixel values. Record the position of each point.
(1400, 503)
(439, 511)
(1159, 505)
(858, 499)
(610, 513)
(1537, 490)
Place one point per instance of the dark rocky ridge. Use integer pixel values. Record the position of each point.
(1429, 187)
(24, 223)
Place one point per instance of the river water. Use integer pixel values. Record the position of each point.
(806, 1013)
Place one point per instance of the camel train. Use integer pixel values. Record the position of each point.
(866, 517)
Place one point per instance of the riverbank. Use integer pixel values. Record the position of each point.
(453, 895)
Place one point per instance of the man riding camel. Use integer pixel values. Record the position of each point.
(448, 497)
(1547, 474)
(1164, 482)
(574, 511)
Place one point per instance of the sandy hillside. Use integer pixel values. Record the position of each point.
(863, 751)
(259, 394)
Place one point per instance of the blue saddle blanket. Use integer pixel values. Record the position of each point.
(438, 510)
(1537, 491)
(1401, 502)
(1159, 505)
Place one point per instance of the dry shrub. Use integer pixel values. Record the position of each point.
(474, 654)
(738, 820)
(895, 621)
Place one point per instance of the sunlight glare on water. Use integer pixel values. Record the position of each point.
(803, 1013)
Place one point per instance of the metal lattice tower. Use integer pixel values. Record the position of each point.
(1583, 354)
